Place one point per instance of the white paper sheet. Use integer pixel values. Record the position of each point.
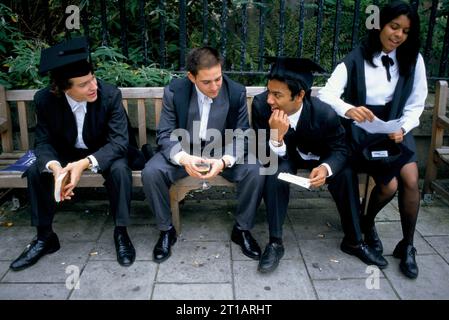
(379, 126)
(300, 181)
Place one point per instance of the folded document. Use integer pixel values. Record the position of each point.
(300, 181)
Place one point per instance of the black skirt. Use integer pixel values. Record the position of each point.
(384, 174)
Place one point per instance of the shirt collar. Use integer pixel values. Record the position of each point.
(294, 118)
(75, 104)
(202, 97)
(391, 54)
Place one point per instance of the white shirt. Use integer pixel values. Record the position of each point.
(79, 110)
(204, 105)
(282, 150)
(379, 90)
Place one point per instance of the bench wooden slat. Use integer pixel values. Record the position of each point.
(157, 110)
(5, 113)
(23, 124)
(142, 122)
(125, 105)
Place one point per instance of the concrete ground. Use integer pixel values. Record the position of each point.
(205, 264)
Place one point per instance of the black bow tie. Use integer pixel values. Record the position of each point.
(387, 62)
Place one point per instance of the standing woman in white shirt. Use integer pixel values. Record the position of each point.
(385, 77)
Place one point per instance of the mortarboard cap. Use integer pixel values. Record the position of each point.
(299, 69)
(67, 59)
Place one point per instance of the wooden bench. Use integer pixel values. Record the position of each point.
(438, 152)
(141, 97)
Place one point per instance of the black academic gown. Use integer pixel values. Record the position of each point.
(106, 136)
(318, 132)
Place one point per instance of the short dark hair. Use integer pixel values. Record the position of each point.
(294, 86)
(203, 58)
(61, 82)
(407, 52)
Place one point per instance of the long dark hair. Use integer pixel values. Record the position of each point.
(407, 52)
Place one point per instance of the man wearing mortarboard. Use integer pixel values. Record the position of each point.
(81, 124)
(305, 133)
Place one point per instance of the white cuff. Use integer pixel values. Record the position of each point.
(230, 159)
(280, 151)
(95, 166)
(177, 157)
(47, 166)
(329, 170)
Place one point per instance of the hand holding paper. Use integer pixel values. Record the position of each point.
(60, 183)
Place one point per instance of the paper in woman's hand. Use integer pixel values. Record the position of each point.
(379, 126)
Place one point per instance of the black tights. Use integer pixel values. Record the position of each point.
(408, 199)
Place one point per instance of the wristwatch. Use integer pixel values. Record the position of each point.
(90, 163)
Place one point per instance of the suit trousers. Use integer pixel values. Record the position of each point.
(118, 183)
(276, 196)
(159, 174)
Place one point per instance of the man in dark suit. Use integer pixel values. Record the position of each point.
(81, 124)
(203, 105)
(304, 133)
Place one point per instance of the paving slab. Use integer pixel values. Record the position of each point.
(440, 244)
(432, 282)
(433, 221)
(4, 266)
(388, 213)
(309, 224)
(198, 262)
(325, 260)
(30, 291)
(390, 234)
(354, 289)
(193, 291)
(288, 282)
(52, 268)
(79, 226)
(143, 237)
(108, 280)
(202, 222)
(14, 240)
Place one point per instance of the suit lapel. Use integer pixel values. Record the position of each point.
(68, 121)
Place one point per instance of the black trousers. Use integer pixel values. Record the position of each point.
(118, 183)
(159, 174)
(342, 186)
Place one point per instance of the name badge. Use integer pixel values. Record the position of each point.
(379, 154)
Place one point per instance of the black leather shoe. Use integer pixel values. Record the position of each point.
(364, 253)
(162, 249)
(407, 255)
(245, 240)
(371, 237)
(34, 251)
(271, 257)
(126, 254)
(373, 241)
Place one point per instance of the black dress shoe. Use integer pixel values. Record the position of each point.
(373, 241)
(245, 240)
(371, 237)
(271, 257)
(126, 254)
(364, 253)
(162, 249)
(406, 253)
(34, 251)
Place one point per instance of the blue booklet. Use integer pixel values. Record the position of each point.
(23, 163)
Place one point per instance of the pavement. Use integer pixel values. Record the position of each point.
(206, 265)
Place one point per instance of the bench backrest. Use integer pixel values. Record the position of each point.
(21, 98)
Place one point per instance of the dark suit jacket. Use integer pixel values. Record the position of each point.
(318, 131)
(228, 111)
(105, 130)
